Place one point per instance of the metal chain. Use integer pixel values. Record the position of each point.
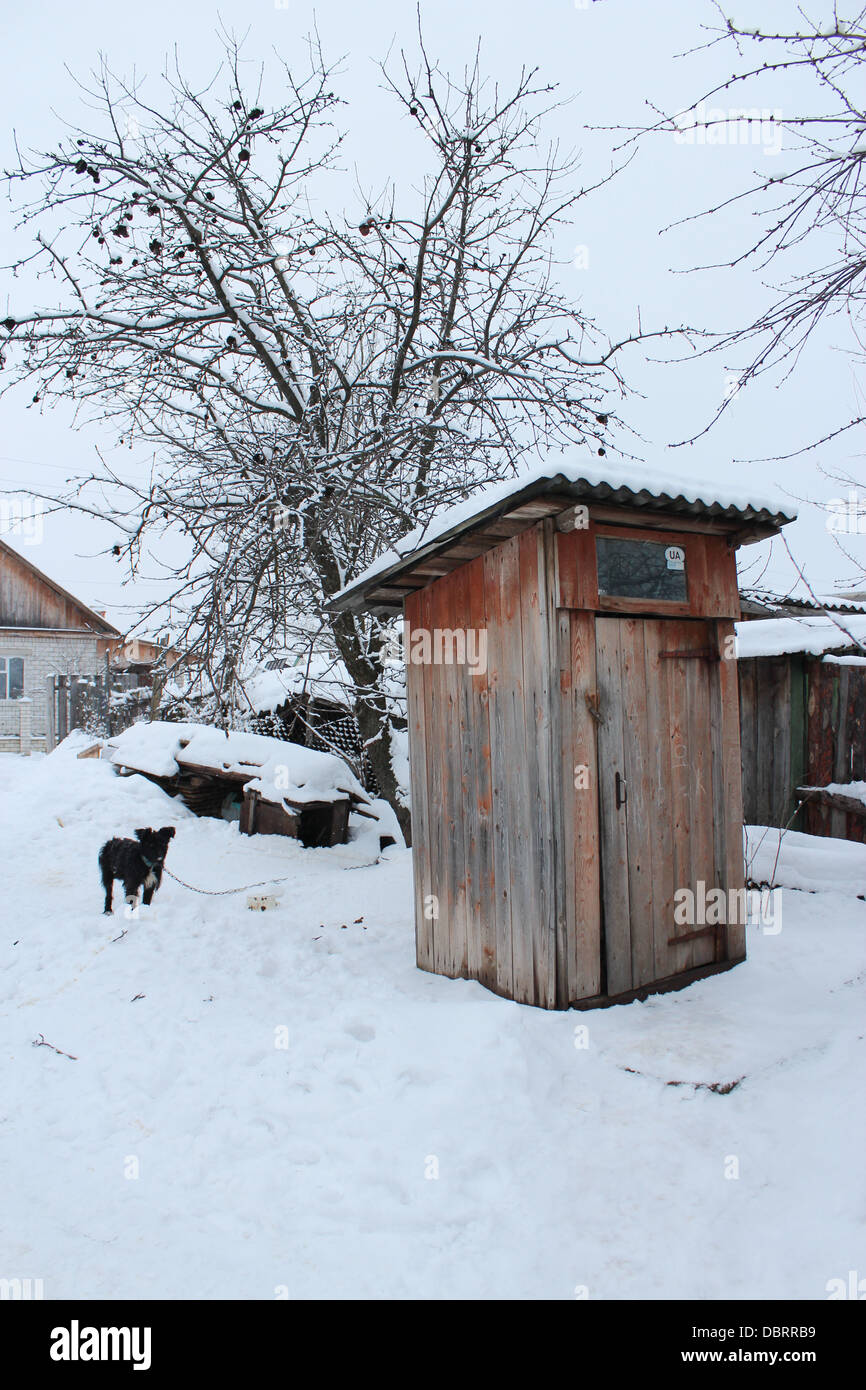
(221, 892)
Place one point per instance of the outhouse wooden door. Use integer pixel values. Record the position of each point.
(662, 789)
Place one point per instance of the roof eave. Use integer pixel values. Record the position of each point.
(375, 595)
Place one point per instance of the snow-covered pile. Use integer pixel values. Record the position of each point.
(777, 636)
(150, 747)
(278, 770)
(281, 1104)
(317, 676)
(306, 775)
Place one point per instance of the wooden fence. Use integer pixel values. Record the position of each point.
(802, 723)
(75, 702)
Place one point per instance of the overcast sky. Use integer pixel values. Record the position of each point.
(609, 59)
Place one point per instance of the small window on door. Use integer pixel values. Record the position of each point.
(11, 677)
(641, 569)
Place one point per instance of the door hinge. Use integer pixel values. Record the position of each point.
(591, 698)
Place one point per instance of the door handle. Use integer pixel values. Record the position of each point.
(621, 786)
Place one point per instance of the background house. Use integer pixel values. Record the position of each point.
(138, 670)
(44, 632)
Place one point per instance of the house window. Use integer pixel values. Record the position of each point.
(641, 569)
(11, 677)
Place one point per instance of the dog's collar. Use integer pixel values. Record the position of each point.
(150, 862)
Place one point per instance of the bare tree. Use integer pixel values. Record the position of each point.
(312, 385)
(816, 204)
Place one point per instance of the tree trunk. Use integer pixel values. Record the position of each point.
(375, 730)
(372, 714)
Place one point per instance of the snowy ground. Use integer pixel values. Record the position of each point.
(308, 1169)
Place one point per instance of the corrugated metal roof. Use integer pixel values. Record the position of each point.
(546, 494)
(760, 603)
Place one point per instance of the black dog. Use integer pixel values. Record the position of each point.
(138, 864)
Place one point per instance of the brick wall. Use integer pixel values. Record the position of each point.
(45, 654)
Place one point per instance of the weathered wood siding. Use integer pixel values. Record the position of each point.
(579, 945)
(28, 600)
(481, 761)
(772, 737)
(506, 763)
(803, 723)
(836, 742)
(669, 790)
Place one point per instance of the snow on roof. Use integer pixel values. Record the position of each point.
(622, 473)
(306, 775)
(795, 603)
(320, 676)
(280, 772)
(777, 636)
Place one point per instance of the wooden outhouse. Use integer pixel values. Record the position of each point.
(574, 736)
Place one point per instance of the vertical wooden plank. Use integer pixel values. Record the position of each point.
(562, 789)
(747, 694)
(836, 740)
(457, 761)
(613, 830)
(557, 983)
(521, 894)
(660, 747)
(723, 594)
(720, 811)
(765, 738)
(525, 887)
(482, 919)
(640, 813)
(501, 763)
(437, 734)
(728, 786)
(566, 548)
(781, 767)
(535, 547)
(842, 757)
(576, 568)
(798, 738)
(857, 723)
(820, 742)
(566, 795)
(528, 938)
(674, 637)
(703, 950)
(585, 925)
(587, 568)
(697, 576)
(420, 792)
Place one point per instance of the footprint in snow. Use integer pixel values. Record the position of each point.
(364, 1032)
